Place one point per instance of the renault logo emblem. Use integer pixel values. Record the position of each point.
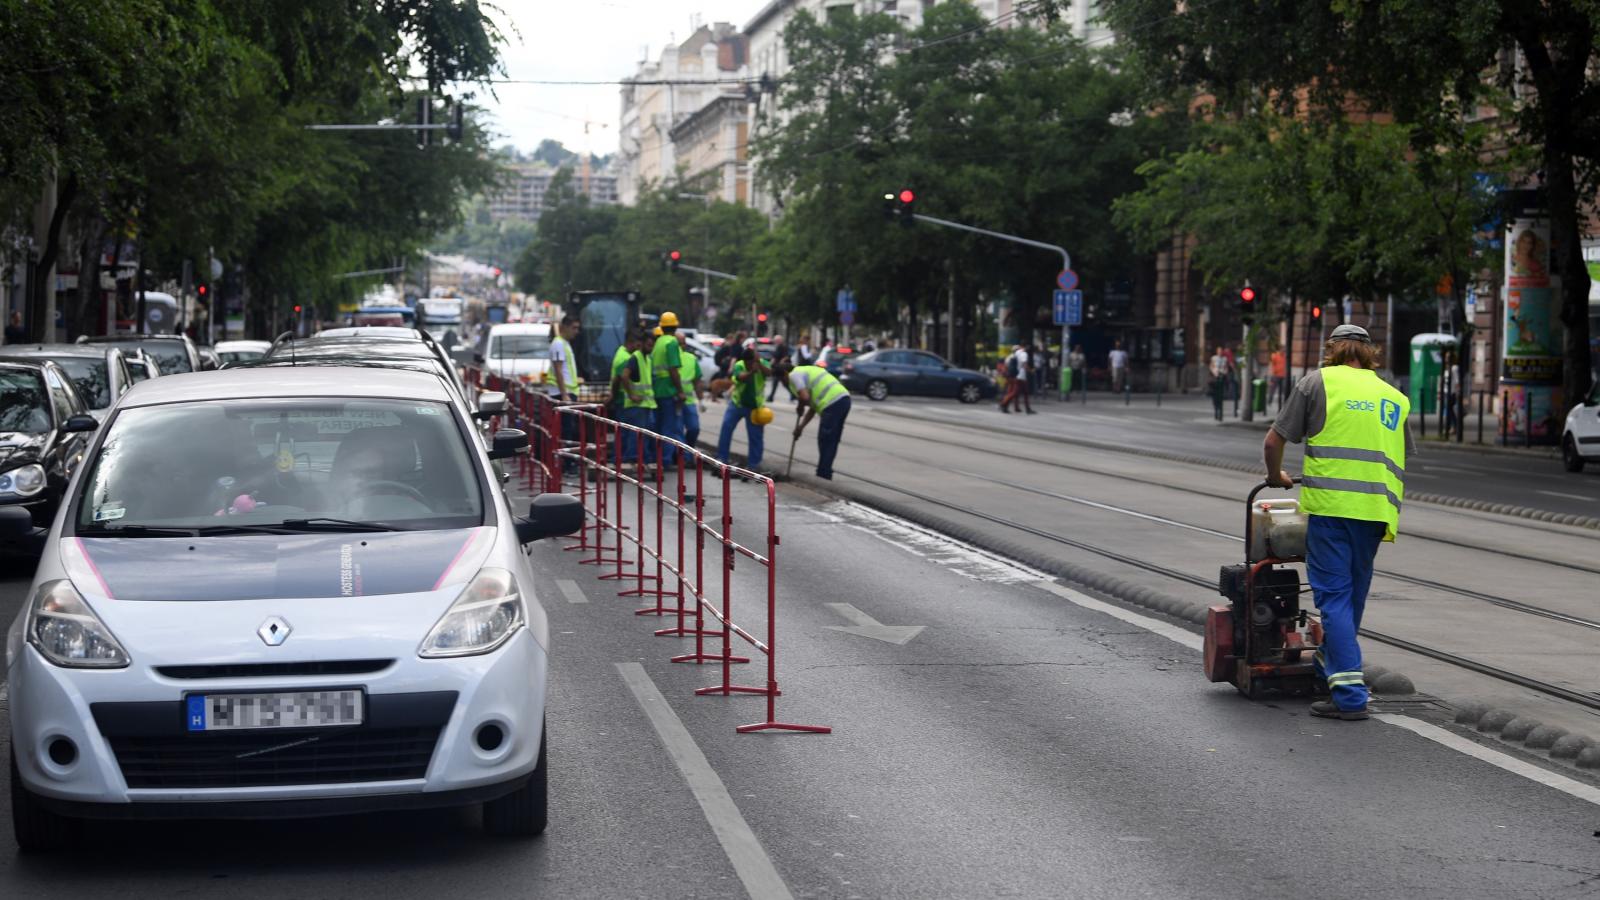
(274, 631)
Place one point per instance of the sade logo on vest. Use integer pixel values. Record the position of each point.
(1389, 414)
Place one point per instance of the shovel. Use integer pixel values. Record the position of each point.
(790, 467)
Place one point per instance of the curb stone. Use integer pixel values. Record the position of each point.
(1573, 749)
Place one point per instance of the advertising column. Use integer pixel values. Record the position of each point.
(1530, 330)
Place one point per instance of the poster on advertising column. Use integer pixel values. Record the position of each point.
(1530, 329)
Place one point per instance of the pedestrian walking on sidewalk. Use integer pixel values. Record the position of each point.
(1355, 428)
(1280, 378)
(749, 382)
(1016, 369)
(822, 396)
(1218, 386)
(1079, 364)
(1118, 359)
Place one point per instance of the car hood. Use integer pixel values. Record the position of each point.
(274, 567)
(528, 365)
(19, 447)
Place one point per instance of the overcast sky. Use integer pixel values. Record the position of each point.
(586, 40)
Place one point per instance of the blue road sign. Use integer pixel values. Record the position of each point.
(1068, 307)
(848, 317)
(845, 300)
(1067, 280)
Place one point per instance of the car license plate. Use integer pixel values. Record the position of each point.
(286, 709)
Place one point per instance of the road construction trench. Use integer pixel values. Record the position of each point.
(1539, 648)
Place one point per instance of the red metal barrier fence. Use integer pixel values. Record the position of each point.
(580, 440)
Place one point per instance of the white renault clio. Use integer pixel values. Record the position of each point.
(283, 592)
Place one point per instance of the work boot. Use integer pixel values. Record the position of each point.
(1326, 709)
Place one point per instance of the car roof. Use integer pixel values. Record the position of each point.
(355, 347)
(428, 364)
(227, 346)
(50, 351)
(277, 381)
(521, 328)
(117, 338)
(31, 365)
(370, 332)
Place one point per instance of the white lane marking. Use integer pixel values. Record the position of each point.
(1565, 495)
(961, 558)
(744, 850)
(1170, 632)
(1494, 757)
(571, 591)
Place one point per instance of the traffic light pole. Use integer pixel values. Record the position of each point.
(712, 273)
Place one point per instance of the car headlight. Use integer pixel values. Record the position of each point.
(24, 481)
(486, 614)
(63, 628)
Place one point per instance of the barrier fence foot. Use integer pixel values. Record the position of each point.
(658, 609)
(681, 631)
(783, 726)
(698, 658)
(627, 576)
(737, 689)
(606, 561)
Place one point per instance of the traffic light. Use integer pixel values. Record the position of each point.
(905, 206)
(453, 129)
(1316, 313)
(1247, 296)
(890, 207)
(200, 290)
(297, 309)
(761, 325)
(674, 258)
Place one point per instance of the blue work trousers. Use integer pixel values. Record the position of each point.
(1339, 557)
(755, 434)
(668, 424)
(639, 417)
(691, 423)
(830, 429)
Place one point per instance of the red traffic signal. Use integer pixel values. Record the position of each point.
(675, 256)
(297, 309)
(201, 290)
(1248, 295)
(761, 318)
(1316, 312)
(907, 197)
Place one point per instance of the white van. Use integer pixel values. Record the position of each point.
(519, 350)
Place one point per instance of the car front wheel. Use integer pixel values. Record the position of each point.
(971, 392)
(877, 389)
(1569, 455)
(525, 811)
(38, 829)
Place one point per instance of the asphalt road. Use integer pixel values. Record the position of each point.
(1019, 745)
(1182, 424)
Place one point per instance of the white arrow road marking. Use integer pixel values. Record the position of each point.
(868, 627)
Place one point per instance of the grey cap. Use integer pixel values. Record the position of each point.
(1350, 333)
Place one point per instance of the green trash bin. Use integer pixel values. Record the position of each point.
(1427, 364)
(1258, 394)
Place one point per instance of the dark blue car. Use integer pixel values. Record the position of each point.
(914, 372)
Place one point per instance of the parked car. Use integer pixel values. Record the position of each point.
(141, 367)
(834, 356)
(346, 620)
(174, 353)
(44, 431)
(519, 351)
(209, 360)
(404, 333)
(100, 374)
(913, 372)
(1580, 439)
(241, 351)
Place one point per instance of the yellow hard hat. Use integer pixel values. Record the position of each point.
(657, 332)
(669, 320)
(762, 415)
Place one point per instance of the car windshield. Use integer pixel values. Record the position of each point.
(171, 356)
(237, 466)
(503, 345)
(90, 377)
(23, 403)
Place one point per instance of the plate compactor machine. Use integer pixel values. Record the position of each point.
(1262, 641)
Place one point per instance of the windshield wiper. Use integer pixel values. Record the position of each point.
(141, 531)
(315, 525)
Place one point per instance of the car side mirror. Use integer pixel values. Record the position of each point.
(80, 422)
(508, 442)
(490, 404)
(550, 515)
(15, 522)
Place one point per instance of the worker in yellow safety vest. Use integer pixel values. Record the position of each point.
(692, 379)
(665, 359)
(820, 395)
(630, 380)
(1355, 429)
(562, 376)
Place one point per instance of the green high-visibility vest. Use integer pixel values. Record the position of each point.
(689, 373)
(824, 388)
(569, 366)
(643, 387)
(664, 357)
(1355, 467)
(748, 394)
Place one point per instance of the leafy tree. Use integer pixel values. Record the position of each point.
(1431, 63)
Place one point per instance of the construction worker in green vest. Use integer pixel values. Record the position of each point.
(630, 380)
(690, 376)
(1355, 429)
(665, 360)
(820, 395)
